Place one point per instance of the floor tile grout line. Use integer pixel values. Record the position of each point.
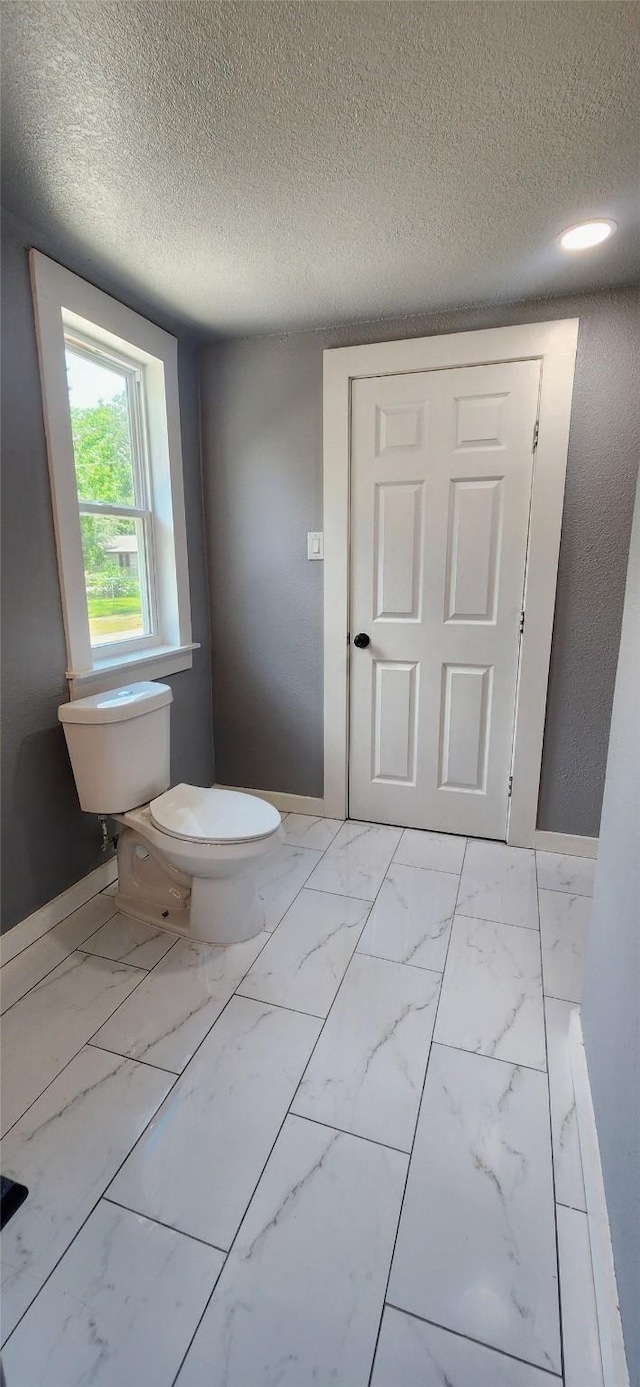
(322, 891)
(159, 1068)
(417, 867)
(324, 1019)
(269, 934)
(227, 1255)
(192, 1056)
(129, 919)
(171, 1228)
(357, 950)
(302, 887)
(92, 1210)
(289, 1109)
(366, 825)
(86, 1041)
(481, 1055)
(571, 895)
(400, 962)
(87, 953)
(415, 1129)
(131, 1059)
(147, 974)
(280, 1006)
(290, 844)
(7, 933)
(484, 920)
(551, 1143)
(47, 1087)
(78, 949)
(231, 1246)
(104, 891)
(305, 887)
(346, 1132)
(339, 894)
(180, 1074)
(342, 980)
(481, 1343)
(178, 1077)
(288, 1112)
(121, 962)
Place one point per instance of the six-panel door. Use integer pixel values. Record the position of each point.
(441, 472)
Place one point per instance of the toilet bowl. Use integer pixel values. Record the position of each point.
(187, 860)
(187, 856)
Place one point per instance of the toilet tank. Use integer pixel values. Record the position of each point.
(118, 743)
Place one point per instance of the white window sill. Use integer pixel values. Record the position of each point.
(140, 664)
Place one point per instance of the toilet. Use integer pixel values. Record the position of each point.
(187, 855)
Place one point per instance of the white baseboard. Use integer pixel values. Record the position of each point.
(44, 919)
(614, 1363)
(570, 844)
(287, 804)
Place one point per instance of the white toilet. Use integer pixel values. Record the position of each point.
(185, 856)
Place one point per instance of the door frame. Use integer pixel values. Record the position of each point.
(554, 344)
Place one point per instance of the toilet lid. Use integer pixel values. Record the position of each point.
(213, 816)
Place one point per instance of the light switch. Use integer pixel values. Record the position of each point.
(315, 544)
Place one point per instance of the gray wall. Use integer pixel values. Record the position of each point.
(48, 843)
(610, 1010)
(262, 464)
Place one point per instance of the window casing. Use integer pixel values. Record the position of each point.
(115, 466)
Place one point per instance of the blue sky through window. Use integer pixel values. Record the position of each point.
(90, 382)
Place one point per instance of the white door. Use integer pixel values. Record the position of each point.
(441, 471)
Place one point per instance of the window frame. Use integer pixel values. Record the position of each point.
(142, 508)
(67, 307)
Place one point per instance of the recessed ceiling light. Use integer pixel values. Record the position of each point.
(586, 235)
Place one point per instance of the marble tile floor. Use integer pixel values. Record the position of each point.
(344, 1152)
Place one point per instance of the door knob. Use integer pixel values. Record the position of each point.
(361, 640)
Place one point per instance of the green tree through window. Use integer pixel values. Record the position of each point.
(104, 473)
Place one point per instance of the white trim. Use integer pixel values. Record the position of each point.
(287, 804)
(152, 664)
(64, 302)
(34, 926)
(614, 1364)
(553, 343)
(569, 844)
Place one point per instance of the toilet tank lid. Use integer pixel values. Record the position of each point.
(117, 705)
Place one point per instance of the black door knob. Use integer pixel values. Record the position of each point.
(361, 640)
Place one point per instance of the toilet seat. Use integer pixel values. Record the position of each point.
(197, 815)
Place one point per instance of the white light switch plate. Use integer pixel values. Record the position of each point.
(315, 544)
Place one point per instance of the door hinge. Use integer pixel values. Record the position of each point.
(521, 622)
(510, 787)
(536, 429)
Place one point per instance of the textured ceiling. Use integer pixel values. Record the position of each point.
(252, 166)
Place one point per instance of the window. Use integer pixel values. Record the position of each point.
(110, 396)
(106, 398)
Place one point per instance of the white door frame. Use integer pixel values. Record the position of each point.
(555, 345)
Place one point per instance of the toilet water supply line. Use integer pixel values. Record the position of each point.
(107, 840)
